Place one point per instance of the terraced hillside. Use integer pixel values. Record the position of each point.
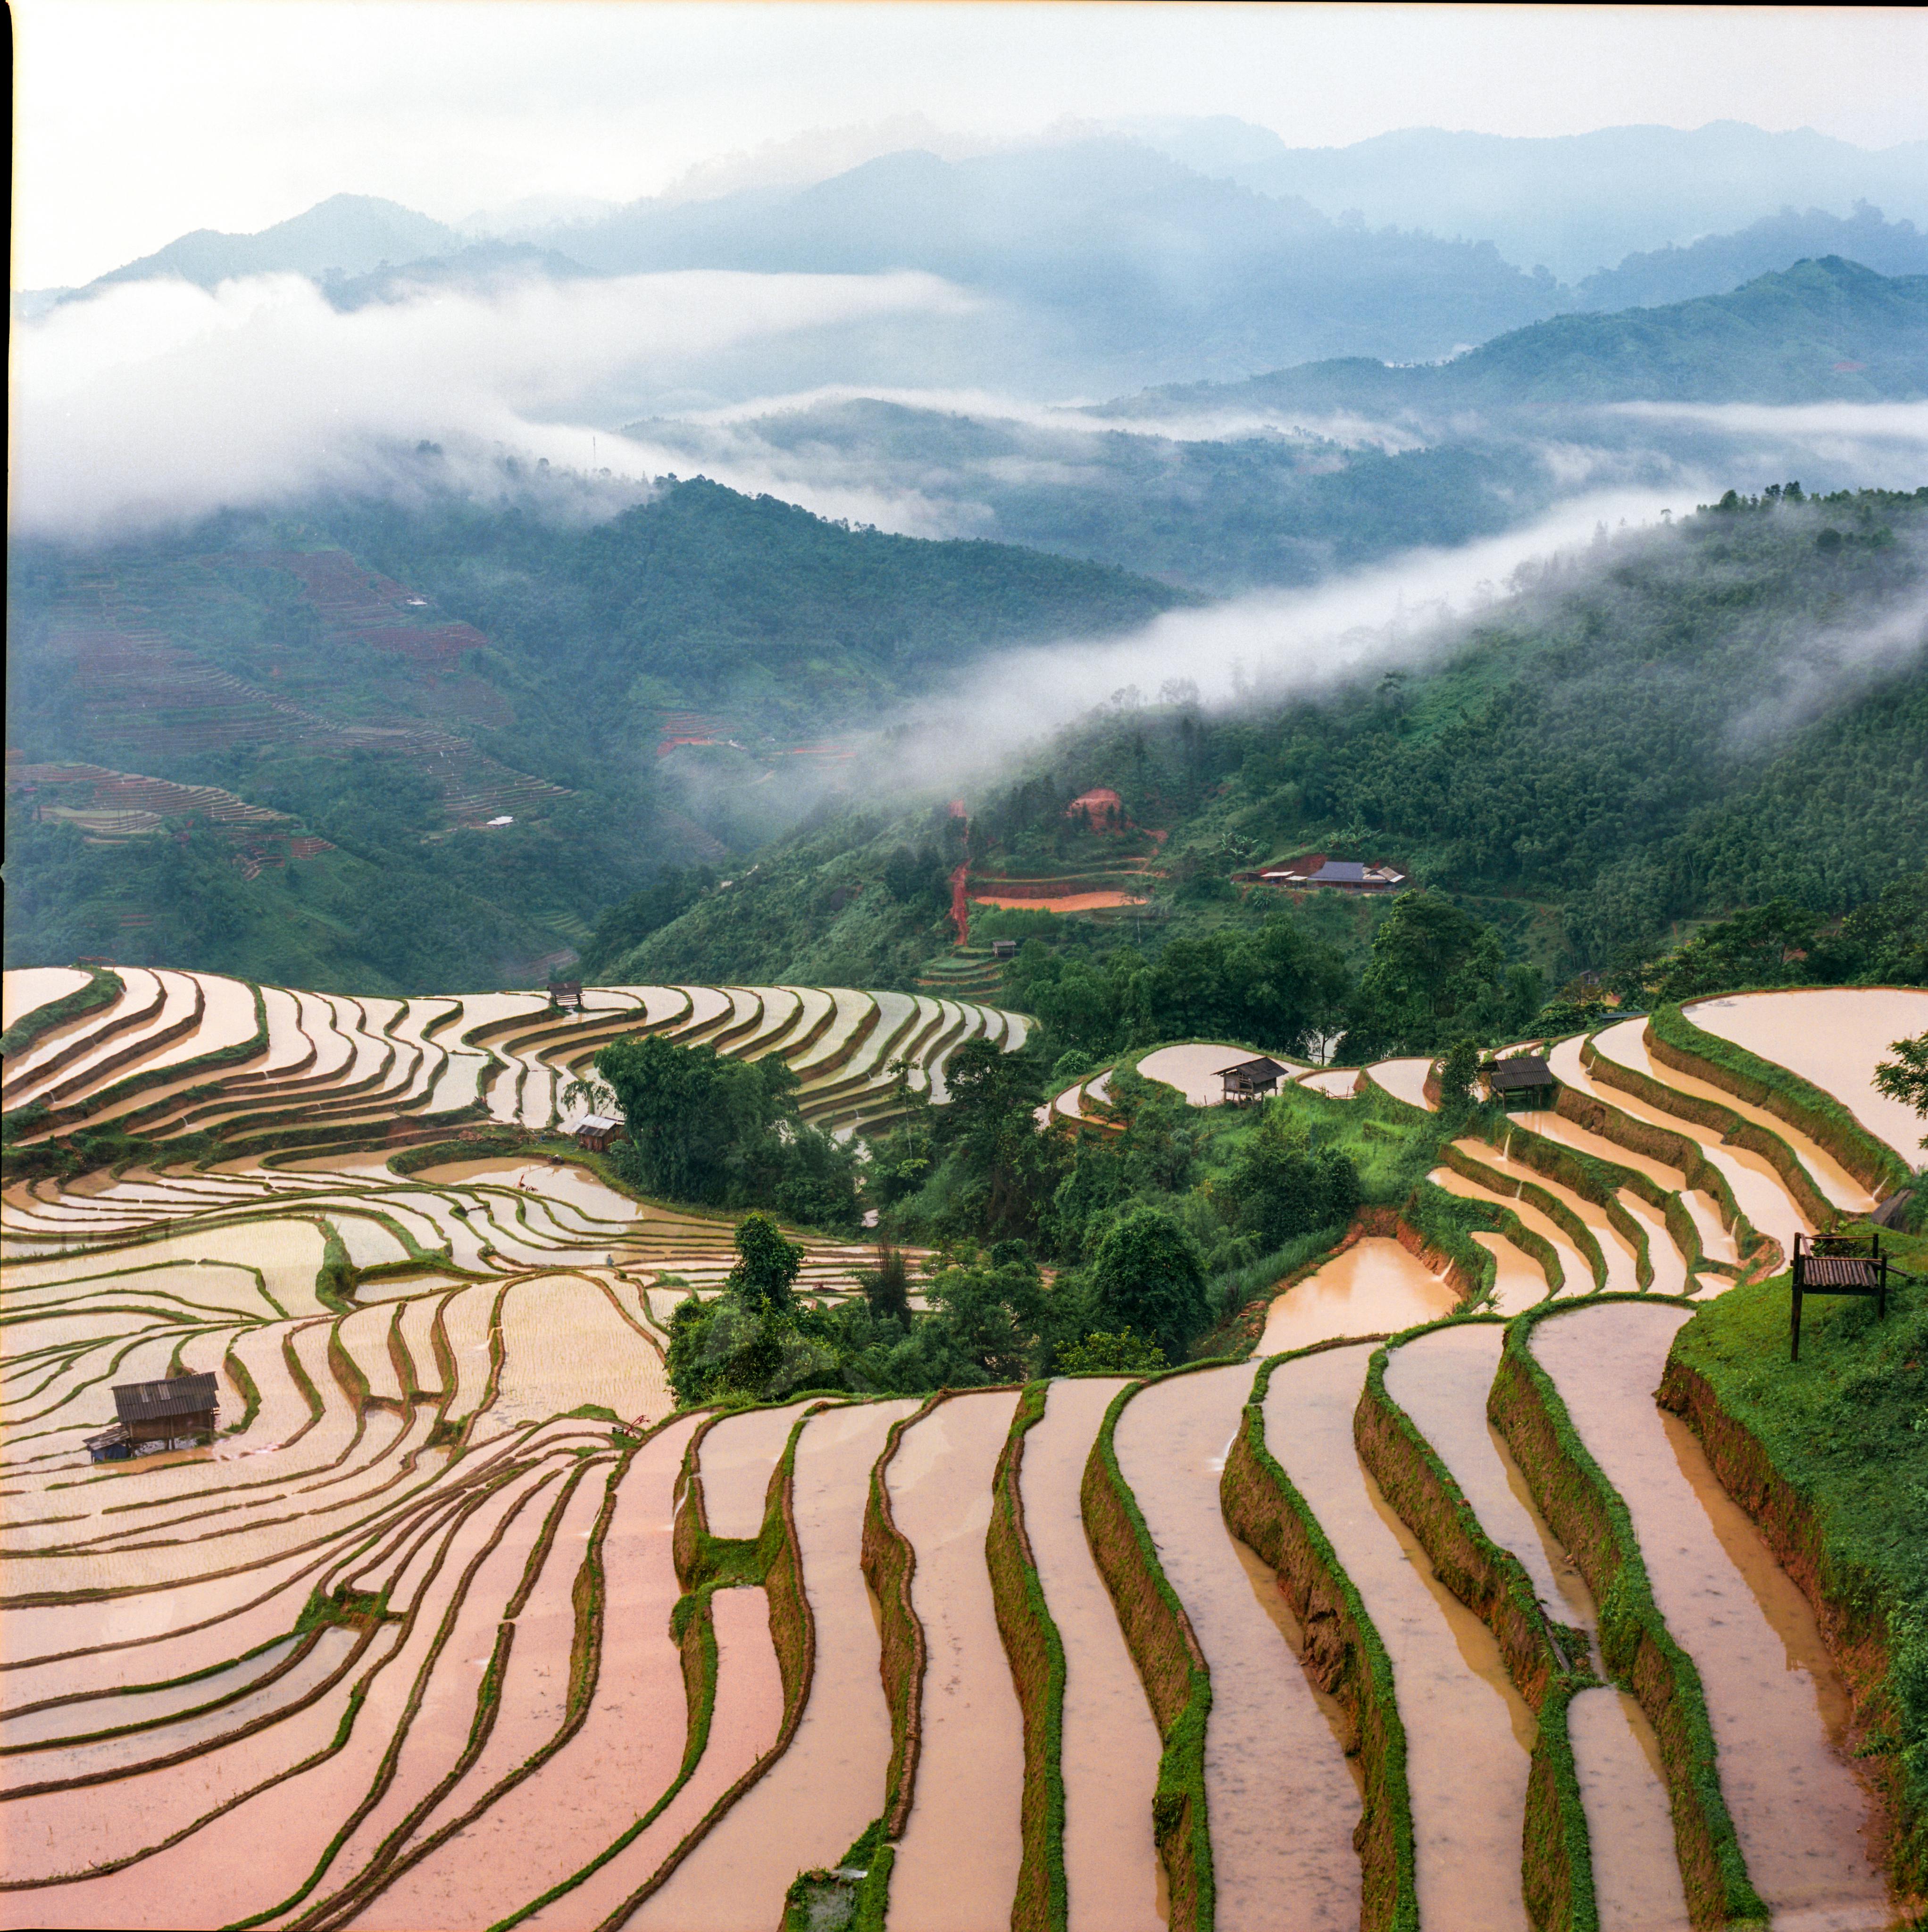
(162, 1059)
(1403, 1622)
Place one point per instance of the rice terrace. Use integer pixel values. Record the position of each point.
(966, 969)
(1407, 1604)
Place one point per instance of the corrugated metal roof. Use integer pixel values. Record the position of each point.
(597, 1124)
(1341, 872)
(179, 1395)
(1526, 1070)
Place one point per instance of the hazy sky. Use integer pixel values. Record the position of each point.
(136, 120)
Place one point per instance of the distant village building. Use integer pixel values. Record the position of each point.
(1004, 949)
(1349, 875)
(1252, 1080)
(598, 1133)
(160, 1414)
(1101, 809)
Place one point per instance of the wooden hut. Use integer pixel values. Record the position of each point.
(598, 1133)
(181, 1409)
(1251, 1080)
(1525, 1081)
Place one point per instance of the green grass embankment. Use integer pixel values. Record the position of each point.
(1037, 1657)
(889, 1561)
(1343, 1653)
(1675, 1041)
(1735, 1129)
(1829, 1455)
(103, 987)
(1590, 1517)
(1548, 1662)
(1165, 1649)
(1681, 1152)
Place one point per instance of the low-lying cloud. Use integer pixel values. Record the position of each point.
(1877, 446)
(155, 402)
(1254, 650)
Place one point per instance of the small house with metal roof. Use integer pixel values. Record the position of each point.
(178, 1409)
(1252, 1080)
(1526, 1080)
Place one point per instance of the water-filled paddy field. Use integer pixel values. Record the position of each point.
(454, 1623)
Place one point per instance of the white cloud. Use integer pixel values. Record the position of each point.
(157, 402)
(1858, 422)
(1268, 646)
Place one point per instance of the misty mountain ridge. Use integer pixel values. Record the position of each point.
(1718, 263)
(1106, 264)
(1825, 330)
(1576, 202)
(346, 235)
(1283, 479)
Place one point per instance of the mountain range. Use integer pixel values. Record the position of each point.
(1112, 260)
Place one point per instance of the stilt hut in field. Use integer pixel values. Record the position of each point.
(1251, 1080)
(598, 1133)
(162, 1415)
(1526, 1080)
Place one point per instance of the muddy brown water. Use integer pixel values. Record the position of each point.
(1801, 1817)
(1834, 1036)
(736, 1460)
(813, 1802)
(1110, 1745)
(744, 1724)
(1375, 1287)
(1578, 1276)
(1616, 1250)
(221, 1867)
(1629, 1826)
(1441, 1381)
(1467, 1729)
(956, 1864)
(1759, 1191)
(1280, 1801)
(625, 1757)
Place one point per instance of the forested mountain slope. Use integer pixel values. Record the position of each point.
(1821, 330)
(462, 712)
(1685, 721)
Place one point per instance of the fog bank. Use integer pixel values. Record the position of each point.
(157, 402)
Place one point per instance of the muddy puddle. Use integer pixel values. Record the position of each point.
(957, 1862)
(828, 1785)
(1834, 1037)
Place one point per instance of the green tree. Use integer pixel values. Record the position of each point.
(1458, 1075)
(886, 1286)
(992, 1308)
(701, 1127)
(1435, 971)
(1123, 1354)
(1904, 1078)
(989, 1127)
(1282, 1187)
(1147, 1279)
(767, 1264)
